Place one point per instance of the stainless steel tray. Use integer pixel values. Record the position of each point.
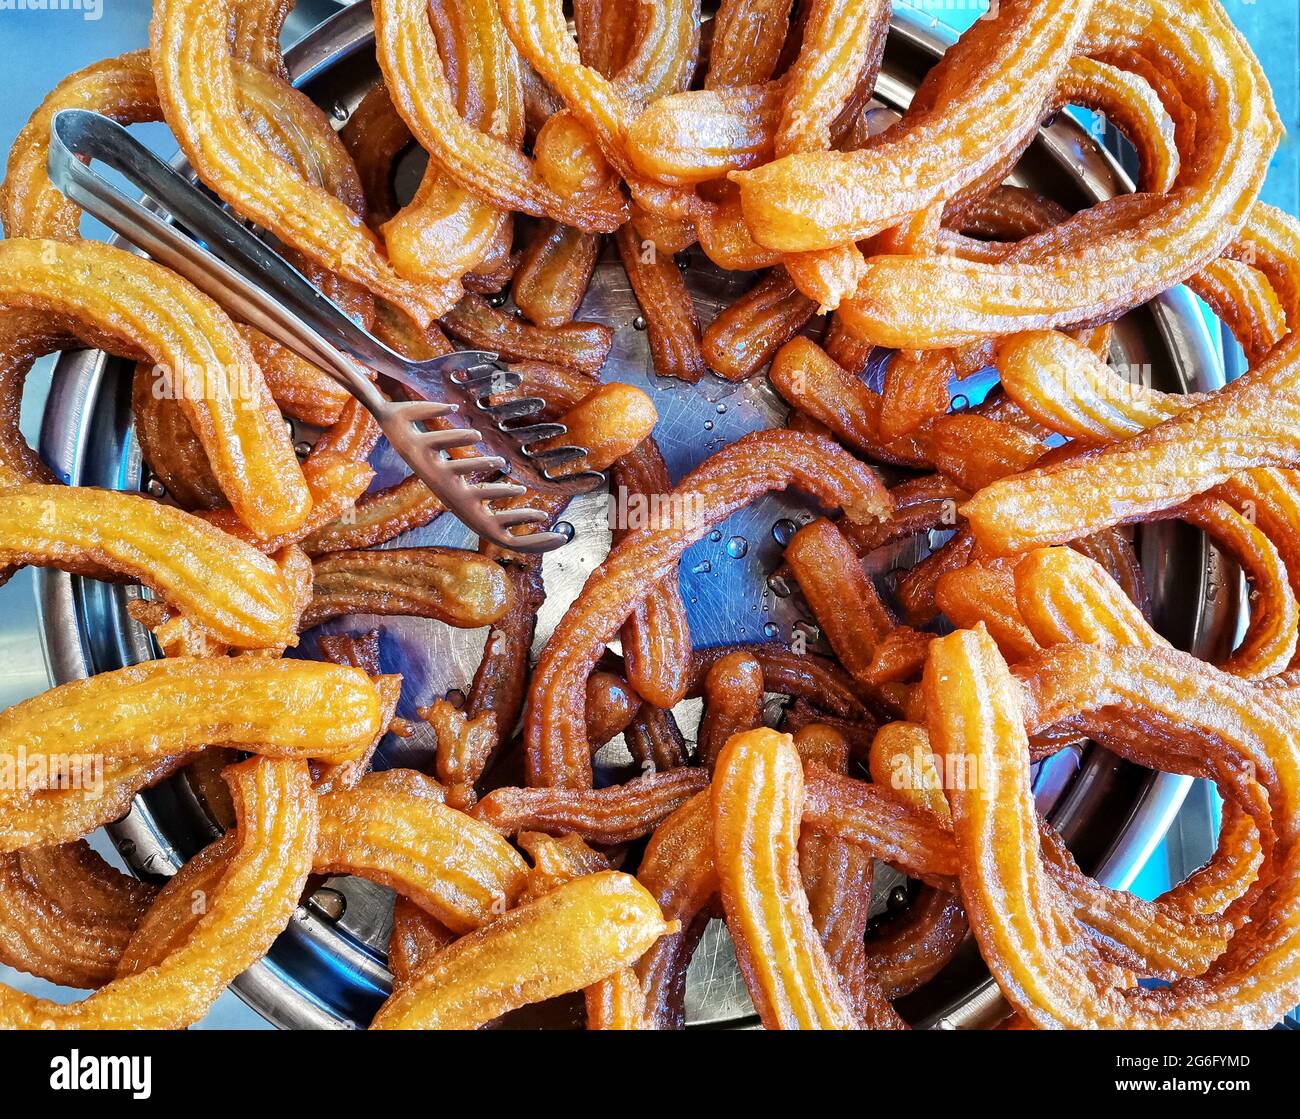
(328, 969)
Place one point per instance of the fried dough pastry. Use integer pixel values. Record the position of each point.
(866, 637)
(66, 915)
(672, 326)
(656, 638)
(1197, 60)
(983, 99)
(837, 879)
(616, 1002)
(1016, 913)
(30, 205)
(456, 869)
(476, 323)
(733, 703)
(129, 305)
(479, 161)
(553, 273)
(661, 61)
(616, 814)
(222, 585)
(568, 939)
(141, 721)
(1178, 451)
(251, 905)
(391, 829)
(195, 75)
(745, 336)
(448, 584)
(757, 800)
(445, 230)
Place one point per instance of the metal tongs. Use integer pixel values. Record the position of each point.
(259, 287)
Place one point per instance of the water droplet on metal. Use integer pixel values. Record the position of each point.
(302, 449)
(155, 488)
(960, 402)
(329, 903)
(702, 568)
(898, 897)
(564, 529)
(456, 697)
(721, 409)
(497, 299)
(638, 323)
(708, 425)
(339, 111)
(771, 630)
(737, 547)
(783, 530)
(715, 535)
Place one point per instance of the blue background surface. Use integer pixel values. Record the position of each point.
(38, 48)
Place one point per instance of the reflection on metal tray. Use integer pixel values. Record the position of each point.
(328, 969)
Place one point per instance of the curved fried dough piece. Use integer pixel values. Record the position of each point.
(130, 305)
(66, 915)
(456, 869)
(1015, 912)
(616, 1002)
(483, 163)
(136, 718)
(1065, 597)
(689, 138)
(987, 93)
(222, 584)
(1189, 49)
(23, 338)
(843, 42)
(389, 829)
(566, 940)
(811, 381)
(841, 39)
(445, 230)
(661, 62)
(733, 703)
(415, 939)
(747, 39)
(555, 733)
(448, 584)
(554, 273)
(656, 638)
(615, 814)
(30, 204)
(866, 637)
(195, 74)
(677, 869)
(984, 591)
(746, 335)
(251, 905)
(1245, 425)
(912, 949)
(672, 326)
(757, 806)
(837, 879)
(378, 517)
(579, 345)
